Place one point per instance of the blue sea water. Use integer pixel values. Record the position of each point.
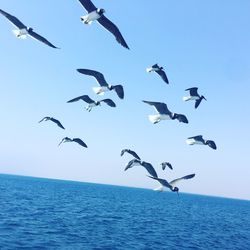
(40, 213)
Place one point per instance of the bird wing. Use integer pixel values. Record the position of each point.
(15, 21)
(88, 5)
(62, 141)
(160, 107)
(155, 66)
(79, 141)
(163, 75)
(186, 177)
(108, 102)
(119, 91)
(193, 91)
(162, 181)
(133, 153)
(197, 137)
(111, 27)
(211, 144)
(97, 75)
(57, 122)
(41, 39)
(197, 102)
(181, 118)
(149, 168)
(85, 98)
(44, 118)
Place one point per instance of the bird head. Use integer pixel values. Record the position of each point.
(100, 11)
(175, 189)
(203, 97)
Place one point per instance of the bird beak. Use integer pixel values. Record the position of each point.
(177, 193)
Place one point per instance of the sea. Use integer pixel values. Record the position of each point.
(38, 213)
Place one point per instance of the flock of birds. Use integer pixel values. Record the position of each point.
(163, 113)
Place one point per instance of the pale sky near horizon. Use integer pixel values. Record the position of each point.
(199, 43)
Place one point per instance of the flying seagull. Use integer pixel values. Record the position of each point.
(104, 86)
(146, 165)
(166, 164)
(193, 95)
(46, 118)
(199, 140)
(79, 141)
(159, 70)
(92, 103)
(172, 184)
(98, 15)
(164, 114)
(133, 153)
(23, 30)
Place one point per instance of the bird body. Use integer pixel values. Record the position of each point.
(97, 14)
(77, 140)
(23, 30)
(92, 16)
(47, 118)
(172, 184)
(164, 113)
(166, 164)
(148, 166)
(133, 153)
(104, 86)
(160, 71)
(193, 95)
(200, 141)
(92, 103)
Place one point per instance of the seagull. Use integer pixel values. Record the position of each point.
(164, 164)
(79, 141)
(172, 184)
(148, 166)
(133, 153)
(98, 15)
(46, 118)
(199, 140)
(92, 103)
(164, 114)
(159, 70)
(104, 86)
(23, 30)
(193, 95)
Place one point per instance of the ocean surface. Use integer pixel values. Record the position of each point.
(40, 213)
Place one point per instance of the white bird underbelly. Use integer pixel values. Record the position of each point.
(159, 189)
(188, 98)
(22, 34)
(192, 142)
(92, 16)
(157, 118)
(100, 90)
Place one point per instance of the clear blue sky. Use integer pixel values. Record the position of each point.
(199, 43)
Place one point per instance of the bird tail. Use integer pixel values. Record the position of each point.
(185, 98)
(154, 118)
(98, 90)
(159, 189)
(148, 69)
(85, 20)
(17, 34)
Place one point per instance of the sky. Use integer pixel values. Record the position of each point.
(204, 44)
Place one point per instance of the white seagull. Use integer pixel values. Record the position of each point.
(172, 184)
(164, 114)
(146, 165)
(47, 118)
(98, 15)
(77, 140)
(200, 141)
(159, 70)
(104, 86)
(92, 103)
(133, 153)
(23, 30)
(193, 95)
